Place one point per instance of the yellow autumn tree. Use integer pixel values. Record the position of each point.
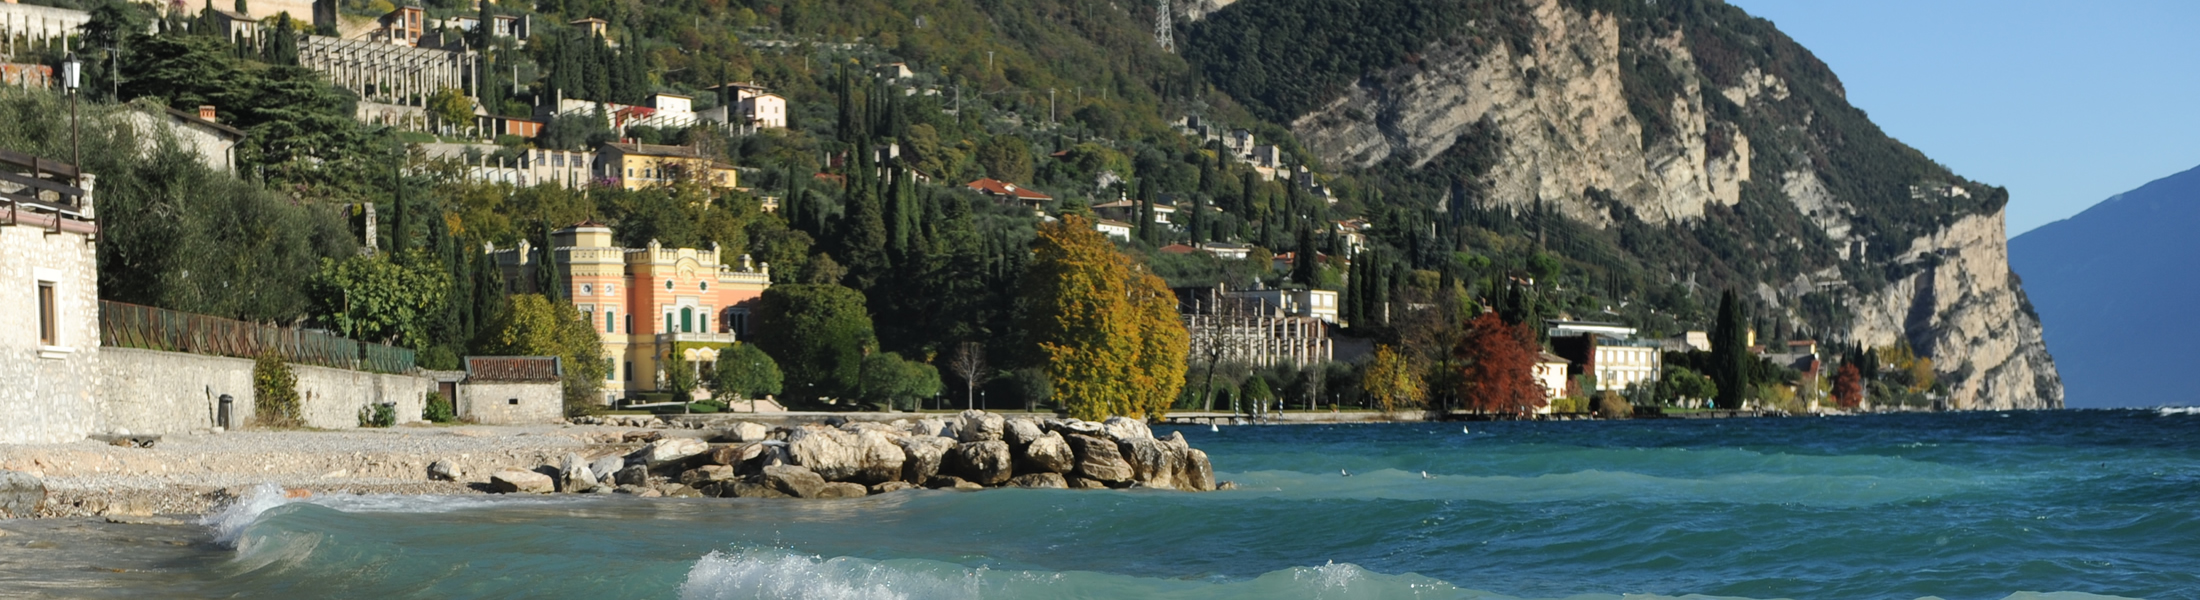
(1393, 380)
(1105, 325)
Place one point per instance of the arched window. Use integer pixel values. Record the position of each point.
(687, 320)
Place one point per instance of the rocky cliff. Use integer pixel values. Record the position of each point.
(1666, 116)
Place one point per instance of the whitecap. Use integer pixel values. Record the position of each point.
(230, 521)
(2168, 411)
(788, 576)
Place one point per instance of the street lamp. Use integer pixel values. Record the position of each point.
(72, 76)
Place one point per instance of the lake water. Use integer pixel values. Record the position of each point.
(1960, 506)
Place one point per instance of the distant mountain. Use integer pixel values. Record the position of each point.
(2113, 286)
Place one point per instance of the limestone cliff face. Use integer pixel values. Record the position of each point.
(1563, 126)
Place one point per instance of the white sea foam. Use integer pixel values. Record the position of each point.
(2168, 411)
(229, 521)
(787, 576)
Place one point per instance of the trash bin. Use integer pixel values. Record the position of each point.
(227, 417)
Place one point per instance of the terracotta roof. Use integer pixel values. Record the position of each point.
(513, 368)
(1002, 188)
(1551, 358)
(1115, 223)
(1118, 204)
(656, 150)
(1178, 249)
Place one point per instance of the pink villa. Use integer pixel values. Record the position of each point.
(647, 304)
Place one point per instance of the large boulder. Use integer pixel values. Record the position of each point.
(606, 465)
(950, 482)
(1098, 459)
(574, 474)
(1040, 480)
(1021, 431)
(1195, 474)
(891, 487)
(794, 480)
(744, 489)
(443, 470)
(979, 426)
(1079, 427)
(1047, 454)
(924, 455)
(1125, 428)
(21, 494)
(985, 463)
(744, 432)
(1153, 463)
(706, 475)
(840, 489)
(933, 426)
(670, 451)
(865, 456)
(636, 475)
(521, 482)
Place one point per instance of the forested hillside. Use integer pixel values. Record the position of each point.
(1601, 160)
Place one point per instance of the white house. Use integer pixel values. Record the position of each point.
(1113, 228)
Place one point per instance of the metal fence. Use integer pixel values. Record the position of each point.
(132, 326)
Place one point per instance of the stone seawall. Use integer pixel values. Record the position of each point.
(155, 392)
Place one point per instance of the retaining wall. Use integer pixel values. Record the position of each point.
(149, 391)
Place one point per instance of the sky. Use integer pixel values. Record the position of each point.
(2064, 103)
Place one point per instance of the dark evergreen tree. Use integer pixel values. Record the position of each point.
(1730, 352)
(1305, 270)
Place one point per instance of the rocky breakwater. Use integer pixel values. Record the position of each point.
(973, 450)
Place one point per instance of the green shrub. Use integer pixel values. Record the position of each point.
(274, 391)
(438, 409)
(1611, 406)
(378, 415)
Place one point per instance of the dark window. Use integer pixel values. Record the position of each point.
(49, 326)
(513, 402)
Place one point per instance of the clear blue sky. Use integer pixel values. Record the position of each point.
(2064, 103)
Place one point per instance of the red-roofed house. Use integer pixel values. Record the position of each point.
(1002, 189)
(1178, 249)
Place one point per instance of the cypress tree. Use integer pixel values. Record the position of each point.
(1730, 351)
(1303, 269)
(1197, 224)
(546, 270)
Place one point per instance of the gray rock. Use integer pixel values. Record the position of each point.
(840, 489)
(1047, 454)
(794, 480)
(1195, 474)
(519, 482)
(1098, 459)
(21, 494)
(607, 465)
(1074, 426)
(950, 482)
(667, 452)
(706, 474)
(442, 470)
(933, 426)
(681, 491)
(574, 475)
(924, 456)
(1040, 480)
(985, 463)
(1153, 463)
(636, 475)
(891, 487)
(1081, 483)
(744, 432)
(865, 457)
(979, 426)
(744, 489)
(1021, 431)
(1125, 428)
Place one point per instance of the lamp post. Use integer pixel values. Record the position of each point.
(72, 76)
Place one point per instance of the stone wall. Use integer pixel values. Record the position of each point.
(59, 407)
(331, 398)
(510, 403)
(150, 391)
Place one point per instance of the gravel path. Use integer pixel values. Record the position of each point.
(192, 473)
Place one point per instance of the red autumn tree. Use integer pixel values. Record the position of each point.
(1848, 387)
(1497, 367)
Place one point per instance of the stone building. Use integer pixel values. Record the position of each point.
(49, 301)
(650, 305)
(1608, 351)
(636, 166)
(511, 390)
(213, 142)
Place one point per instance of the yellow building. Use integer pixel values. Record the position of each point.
(636, 166)
(646, 304)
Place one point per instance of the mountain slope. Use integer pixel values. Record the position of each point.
(2103, 280)
(1684, 141)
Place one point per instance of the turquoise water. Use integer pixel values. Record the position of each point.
(1967, 506)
